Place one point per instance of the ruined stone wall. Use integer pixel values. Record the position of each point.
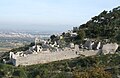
(45, 57)
(89, 52)
(110, 48)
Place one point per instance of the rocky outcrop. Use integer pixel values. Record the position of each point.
(109, 48)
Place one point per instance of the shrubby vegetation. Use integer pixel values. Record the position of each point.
(104, 26)
(24, 48)
(104, 66)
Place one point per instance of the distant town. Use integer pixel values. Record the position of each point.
(12, 39)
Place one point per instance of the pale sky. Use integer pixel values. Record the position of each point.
(50, 15)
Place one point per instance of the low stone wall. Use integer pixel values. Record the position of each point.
(89, 52)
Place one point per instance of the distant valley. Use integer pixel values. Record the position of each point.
(10, 40)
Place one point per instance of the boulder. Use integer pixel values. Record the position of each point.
(109, 48)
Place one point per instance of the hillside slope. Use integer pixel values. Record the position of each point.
(105, 26)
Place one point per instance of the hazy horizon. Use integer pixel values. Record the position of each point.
(49, 15)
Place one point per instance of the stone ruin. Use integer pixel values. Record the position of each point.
(42, 53)
(39, 54)
(109, 48)
(92, 47)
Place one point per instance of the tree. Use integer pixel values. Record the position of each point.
(52, 37)
(81, 34)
